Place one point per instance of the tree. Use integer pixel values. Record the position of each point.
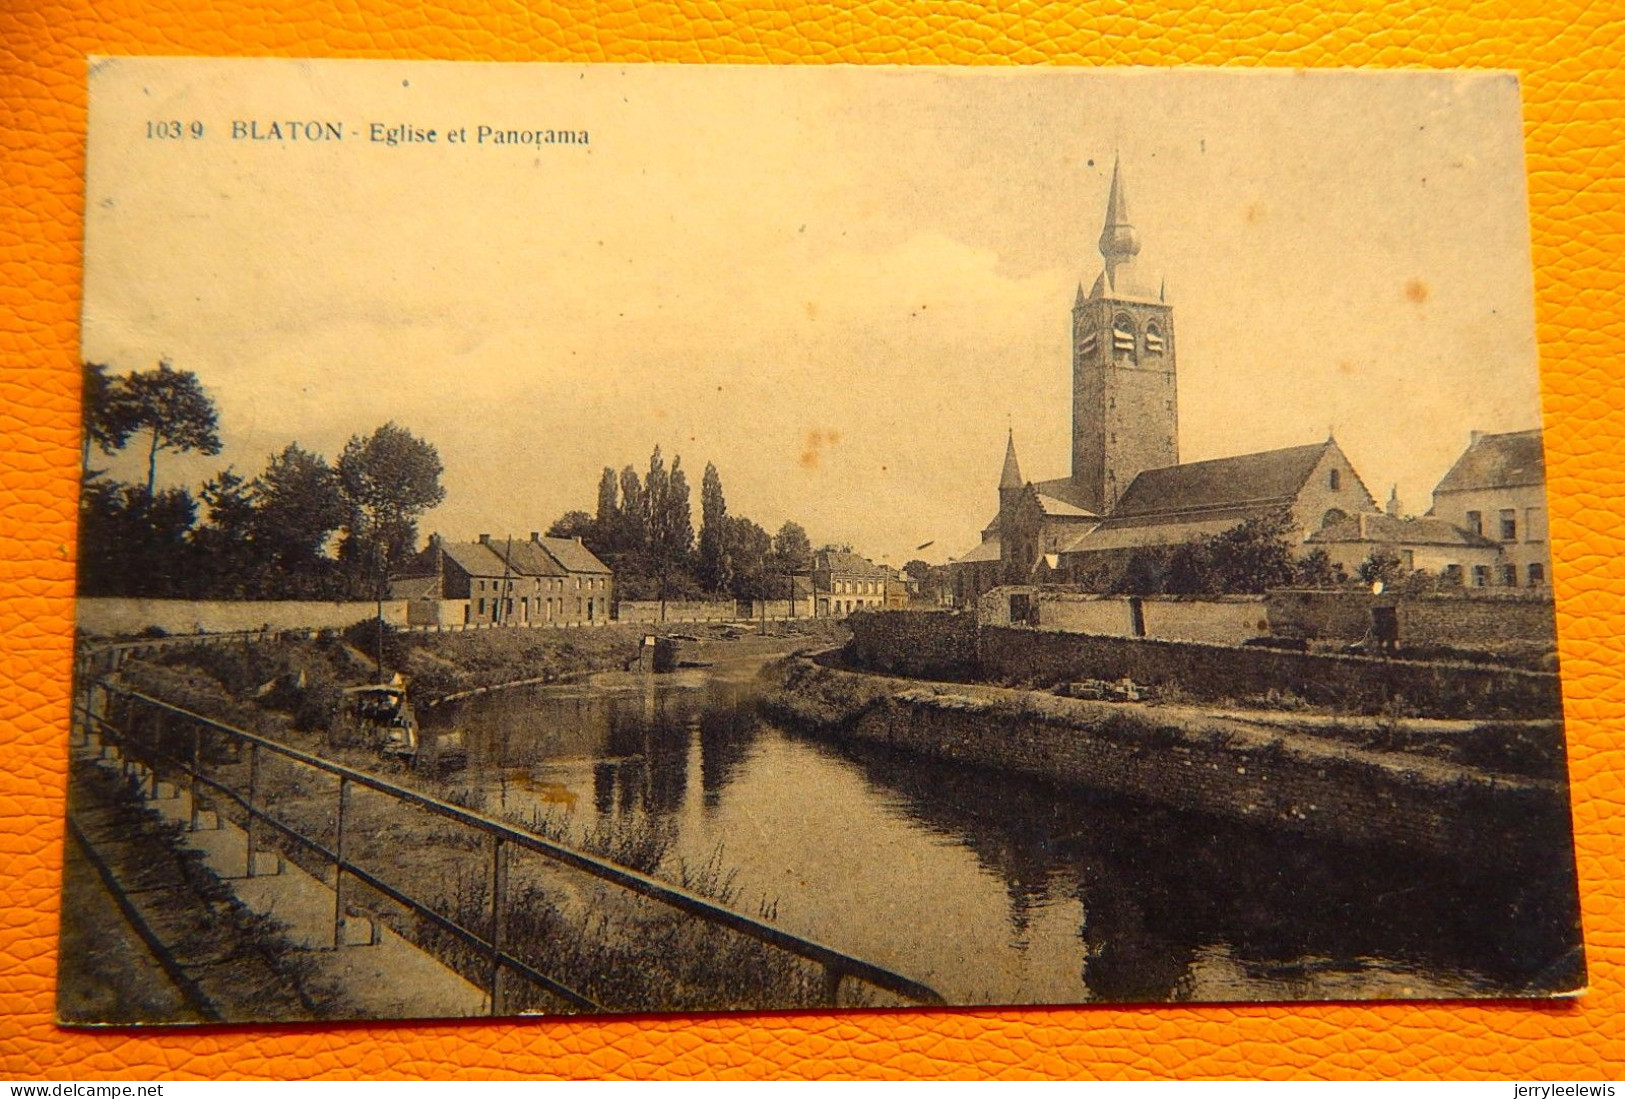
(633, 533)
(298, 504)
(105, 412)
(748, 547)
(792, 549)
(134, 543)
(714, 566)
(1382, 566)
(389, 479)
(609, 508)
(227, 565)
(171, 406)
(1316, 570)
(572, 524)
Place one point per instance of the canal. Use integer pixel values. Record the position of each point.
(993, 889)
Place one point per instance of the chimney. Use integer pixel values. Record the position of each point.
(536, 536)
(1474, 436)
(578, 539)
(485, 539)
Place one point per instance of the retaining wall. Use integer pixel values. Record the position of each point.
(1293, 782)
(106, 617)
(1464, 619)
(954, 647)
(652, 610)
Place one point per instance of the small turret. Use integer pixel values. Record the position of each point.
(1010, 481)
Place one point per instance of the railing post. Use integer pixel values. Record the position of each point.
(338, 867)
(832, 986)
(253, 809)
(499, 917)
(191, 774)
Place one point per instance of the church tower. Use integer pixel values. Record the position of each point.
(1125, 410)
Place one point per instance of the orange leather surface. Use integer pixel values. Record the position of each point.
(1569, 53)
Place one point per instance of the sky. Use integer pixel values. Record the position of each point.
(841, 285)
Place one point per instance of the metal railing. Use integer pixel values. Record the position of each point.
(503, 838)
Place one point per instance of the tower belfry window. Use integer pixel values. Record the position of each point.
(1153, 339)
(1124, 344)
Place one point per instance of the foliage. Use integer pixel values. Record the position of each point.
(388, 479)
(171, 407)
(1251, 557)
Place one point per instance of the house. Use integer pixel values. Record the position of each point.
(536, 582)
(843, 582)
(1427, 543)
(1497, 490)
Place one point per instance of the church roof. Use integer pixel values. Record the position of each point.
(987, 551)
(1243, 484)
(1060, 509)
(1065, 490)
(1011, 477)
(1511, 460)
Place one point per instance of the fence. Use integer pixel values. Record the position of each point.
(166, 739)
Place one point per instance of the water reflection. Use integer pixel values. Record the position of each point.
(996, 889)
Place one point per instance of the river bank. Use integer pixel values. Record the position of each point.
(1342, 779)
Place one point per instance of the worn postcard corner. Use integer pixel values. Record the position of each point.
(647, 539)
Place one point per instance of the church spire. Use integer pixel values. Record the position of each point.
(1118, 242)
(1011, 477)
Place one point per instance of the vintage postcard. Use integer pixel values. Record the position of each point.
(661, 538)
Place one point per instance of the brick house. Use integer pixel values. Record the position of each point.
(843, 582)
(536, 582)
(1497, 490)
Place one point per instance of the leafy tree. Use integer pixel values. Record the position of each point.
(106, 414)
(1317, 570)
(573, 524)
(609, 508)
(918, 570)
(1383, 566)
(677, 530)
(633, 533)
(792, 549)
(134, 543)
(171, 406)
(227, 565)
(298, 504)
(715, 566)
(748, 547)
(389, 479)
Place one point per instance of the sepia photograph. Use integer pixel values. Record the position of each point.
(643, 539)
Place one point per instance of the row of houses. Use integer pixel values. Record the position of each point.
(538, 581)
(543, 581)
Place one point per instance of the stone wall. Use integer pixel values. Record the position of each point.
(937, 644)
(1085, 614)
(652, 610)
(1291, 781)
(953, 647)
(1467, 619)
(1222, 620)
(129, 617)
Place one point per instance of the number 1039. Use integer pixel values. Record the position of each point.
(174, 131)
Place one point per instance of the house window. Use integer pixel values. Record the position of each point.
(1537, 575)
(482, 608)
(1509, 575)
(1481, 576)
(1335, 480)
(1452, 574)
(1509, 524)
(1407, 558)
(1475, 522)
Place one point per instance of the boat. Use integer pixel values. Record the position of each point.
(381, 716)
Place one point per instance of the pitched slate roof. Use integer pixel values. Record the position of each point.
(848, 564)
(475, 558)
(1242, 484)
(987, 551)
(1057, 508)
(574, 556)
(529, 559)
(1064, 490)
(1385, 529)
(1510, 460)
(414, 587)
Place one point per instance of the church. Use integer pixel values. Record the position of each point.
(1128, 489)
